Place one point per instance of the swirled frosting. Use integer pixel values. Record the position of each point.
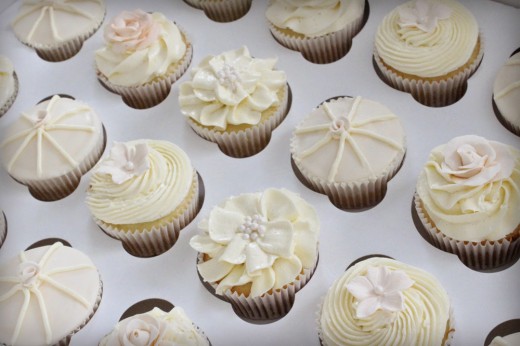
(313, 18)
(348, 140)
(37, 286)
(423, 319)
(155, 327)
(7, 81)
(50, 139)
(410, 49)
(49, 22)
(470, 188)
(265, 239)
(146, 196)
(506, 90)
(140, 47)
(231, 88)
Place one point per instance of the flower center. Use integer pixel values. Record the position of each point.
(129, 166)
(41, 115)
(228, 77)
(339, 126)
(253, 227)
(379, 290)
(29, 272)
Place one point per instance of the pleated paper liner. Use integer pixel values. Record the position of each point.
(267, 308)
(323, 49)
(251, 140)
(11, 99)
(3, 227)
(503, 329)
(161, 237)
(484, 256)
(222, 11)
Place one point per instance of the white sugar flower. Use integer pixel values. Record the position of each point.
(424, 15)
(125, 161)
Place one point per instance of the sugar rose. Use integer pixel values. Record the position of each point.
(131, 31)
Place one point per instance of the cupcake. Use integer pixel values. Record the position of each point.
(257, 250)
(321, 30)
(51, 145)
(3, 227)
(48, 294)
(46, 26)
(236, 101)
(429, 49)
(506, 94)
(381, 301)
(143, 194)
(8, 84)
(144, 54)
(222, 11)
(348, 149)
(467, 199)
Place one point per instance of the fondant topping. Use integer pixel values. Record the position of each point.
(126, 161)
(424, 15)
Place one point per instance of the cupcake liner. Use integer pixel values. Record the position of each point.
(224, 11)
(160, 238)
(513, 128)
(482, 255)
(152, 93)
(503, 329)
(193, 3)
(432, 93)
(11, 99)
(3, 227)
(248, 142)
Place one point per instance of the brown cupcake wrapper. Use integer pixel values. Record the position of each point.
(482, 255)
(11, 99)
(503, 329)
(225, 11)
(432, 94)
(246, 142)
(3, 227)
(505, 122)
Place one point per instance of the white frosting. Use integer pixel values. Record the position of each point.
(424, 15)
(47, 22)
(37, 287)
(231, 88)
(140, 47)
(347, 140)
(50, 139)
(7, 81)
(422, 321)
(470, 188)
(313, 18)
(507, 340)
(266, 239)
(126, 161)
(506, 90)
(412, 50)
(146, 197)
(155, 327)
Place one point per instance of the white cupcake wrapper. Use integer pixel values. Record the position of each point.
(157, 240)
(246, 142)
(3, 227)
(225, 11)
(484, 255)
(11, 99)
(437, 93)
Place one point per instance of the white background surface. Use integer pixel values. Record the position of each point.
(480, 300)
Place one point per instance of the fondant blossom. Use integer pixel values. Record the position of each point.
(29, 272)
(126, 161)
(474, 161)
(423, 14)
(381, 288)
(131, 31)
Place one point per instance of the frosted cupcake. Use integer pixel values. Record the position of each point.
(222, 11)
(57, 29)
(506, 94)
(144, 54)
(236, 101)
(8, 84)
(321, 30)
(51, 145)
(47, 295)
(257, 250)
(429, 49)
(467, 199)
(143, 194)
(348, 149)
(381, 301)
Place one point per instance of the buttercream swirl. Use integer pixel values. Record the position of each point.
(231, 88)
(414, 51)
(145, 197)
(7, 81)
(470, 188)
(155, 327)
(266, 239)
(422, 321)
(313, 18)
(140, 47)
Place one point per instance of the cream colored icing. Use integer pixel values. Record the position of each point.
(422, 321)
(411, 50)
(48, 22)
(508, 340)
(139, 47)
(314, 18)
(506, 90)
(231, 88)
(7, 81)
(38, 286)
(348, 140)
(480, 199)
(149, 196)
(265, 238)
(155, 327)
(50, 139)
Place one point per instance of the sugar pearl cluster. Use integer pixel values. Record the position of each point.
(228, 77)
(253, 227)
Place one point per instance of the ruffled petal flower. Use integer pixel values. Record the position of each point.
(263, 282)
(223, 224)
(278, 239)
(423, 14)
(214, 270)
(276, 205)
(286, 270)
(125, 161)
(204, 244)
(237, 277)
(257, 259)
(235, 250)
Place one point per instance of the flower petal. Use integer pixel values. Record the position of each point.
(361, 288)
(367, 307)
(397, 281)
(305, 240)
(278, 239)
(392, 302)
(257, 259)
(286, 270)
(203, 243)
(262, 282)
(377, 275)
(237, 277)
(234, 252)
(244, 204)
(213, 270)
(223, 224)
(277, 205)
